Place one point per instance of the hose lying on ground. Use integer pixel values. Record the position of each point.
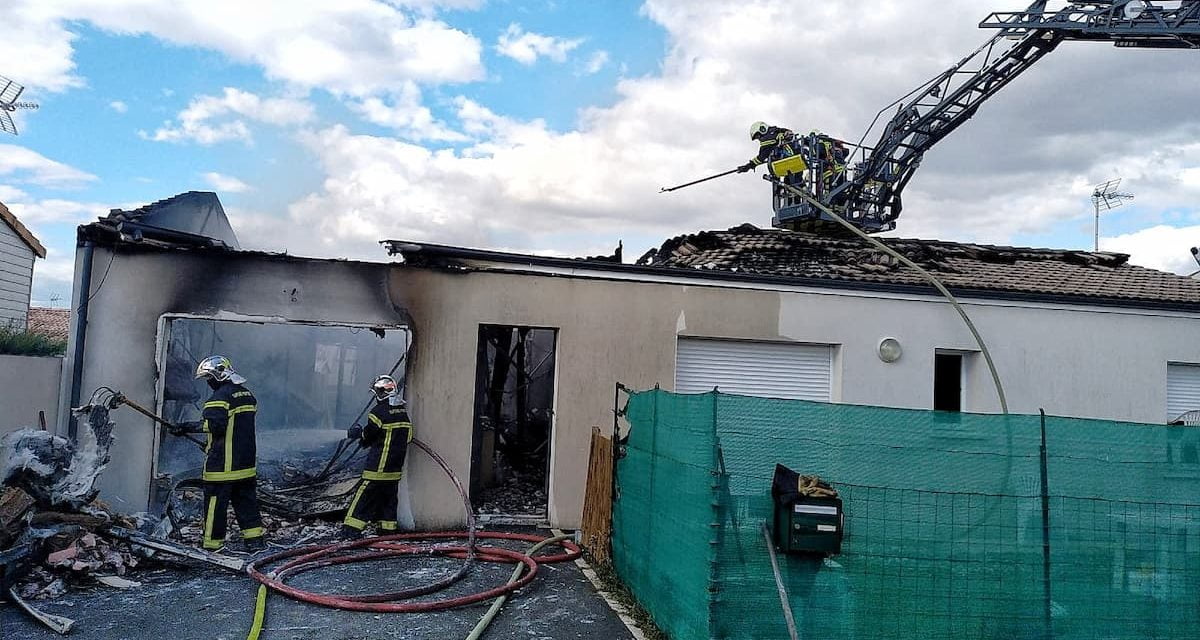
(492, 611)
(312, 557)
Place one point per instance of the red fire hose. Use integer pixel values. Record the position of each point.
(317, 556)
(313, 557)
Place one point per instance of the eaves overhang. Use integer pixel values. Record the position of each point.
(430, 255)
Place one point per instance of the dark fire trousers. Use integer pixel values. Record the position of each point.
(243, 495)
(375, 501)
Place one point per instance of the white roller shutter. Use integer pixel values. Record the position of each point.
(1183, 389)
(771, 369)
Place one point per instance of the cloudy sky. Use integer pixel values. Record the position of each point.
(548, 126)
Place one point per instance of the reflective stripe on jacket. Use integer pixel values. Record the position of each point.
(776, 139)
(229, 424)
(386, 435)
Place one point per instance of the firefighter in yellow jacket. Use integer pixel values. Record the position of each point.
(386, 437)
(229, 473)
(774, 143)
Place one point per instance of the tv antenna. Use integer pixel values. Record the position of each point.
(9, 92)
(1106, 197)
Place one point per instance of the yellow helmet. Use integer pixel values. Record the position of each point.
(757, 129)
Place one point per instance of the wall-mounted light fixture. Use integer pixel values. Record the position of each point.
(889, 350)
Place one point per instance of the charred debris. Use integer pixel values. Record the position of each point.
(56, 536)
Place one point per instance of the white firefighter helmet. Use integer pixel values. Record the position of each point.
(758, 129)
(385, 388)
(218, 368)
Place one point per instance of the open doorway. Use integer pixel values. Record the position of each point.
(514, 414)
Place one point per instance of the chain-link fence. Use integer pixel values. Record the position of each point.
(950, 531)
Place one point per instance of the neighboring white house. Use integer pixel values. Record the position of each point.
(18, 248)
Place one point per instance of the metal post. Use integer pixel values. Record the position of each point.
(616, 440)
(783, 596)
(79, 337)
(651, 511)
(1049, 623)
(1096, 205)
(715, 526)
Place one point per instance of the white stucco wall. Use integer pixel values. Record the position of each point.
(1071, 360)
(28, 385)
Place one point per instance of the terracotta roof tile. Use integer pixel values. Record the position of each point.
(49, 322)
(1069, 273)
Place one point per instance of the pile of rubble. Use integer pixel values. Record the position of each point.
(519, 493)
(76, 556)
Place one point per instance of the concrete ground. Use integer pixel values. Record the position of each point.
(203, 604)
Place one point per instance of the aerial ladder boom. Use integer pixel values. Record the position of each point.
(866, 187)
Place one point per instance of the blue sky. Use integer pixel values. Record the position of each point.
(549, 126)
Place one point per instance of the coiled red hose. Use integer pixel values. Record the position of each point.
(312, 557)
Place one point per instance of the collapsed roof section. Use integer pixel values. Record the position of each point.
(190, 219)
(1075, 274)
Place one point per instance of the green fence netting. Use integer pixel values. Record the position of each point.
(946, 524)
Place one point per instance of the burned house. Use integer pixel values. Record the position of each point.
(512, 359)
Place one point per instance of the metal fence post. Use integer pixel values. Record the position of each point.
(651, 510)
(714, 541)
(1046, 612)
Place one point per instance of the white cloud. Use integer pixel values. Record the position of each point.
(199, 122)
(222, 182)
(35, 213)
(526, 47)
(404, 112)
(1161, 247)
(1023, 165)
(597, 61)
(9, 193)
(118, 106)
(352, 46)
(45, 48)
(26, 165)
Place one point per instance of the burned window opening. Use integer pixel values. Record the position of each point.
(514, 413)
(312, 382)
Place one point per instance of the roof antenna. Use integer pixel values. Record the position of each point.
(9, 92)
(1105, 196)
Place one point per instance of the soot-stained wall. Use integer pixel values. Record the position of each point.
(133, 288)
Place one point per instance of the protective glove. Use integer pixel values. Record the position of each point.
(746, 167)
(184, 428)
(354, 433)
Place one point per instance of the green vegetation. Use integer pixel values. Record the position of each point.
(621, 593)
(23, 343)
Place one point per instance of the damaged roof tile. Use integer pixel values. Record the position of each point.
(774, 252)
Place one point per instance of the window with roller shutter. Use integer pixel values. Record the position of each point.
(769, 369)
(1183, 389)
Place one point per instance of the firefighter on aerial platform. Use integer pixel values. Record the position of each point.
(773, 143)
(786, 154)
(229, 468)
(833, 154)
(386, 438)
